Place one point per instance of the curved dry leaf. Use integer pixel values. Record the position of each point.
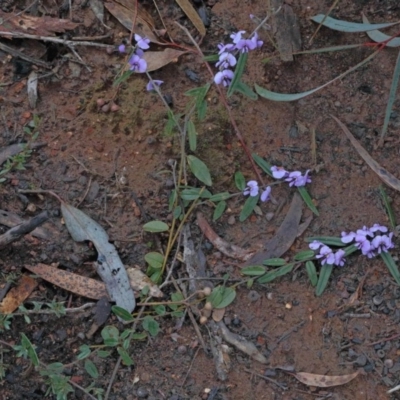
(192, 15)
(125, 13)
(80, 285)
(140, 280)
(385, 175)
(324, 380)
(158, 59)
(16, 296)
(32, 89)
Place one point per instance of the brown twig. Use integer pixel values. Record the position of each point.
(16, 53)
(283, 387)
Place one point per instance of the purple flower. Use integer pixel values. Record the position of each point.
(265, 195)
(295, 178)
(150, 86)
(339, 258)
(236, 37)
(122, 48)
(226, 60)
(225, 77)
(257, 42)
(137, 64)
(326, 255)
(279, 172)
(315, 245)
(363, 243)
(378, 228)
(226, 48)
(382, 243)
(348, 237)
(245, 45)
(142, 42)
(251, 189)
(139, 52)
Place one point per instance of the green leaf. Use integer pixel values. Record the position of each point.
(172, 199)
(328, 240)
(264, 165)
(219, 210)
(240, 182)
(245, 89)
(155, 226)
(91, 369)
(26, 343)
(154, 259)
(250, 283)
(160, 309)
(379, 37)
(103, 353)
(52, 369)
(392, 95)
(248, 207)
(276, 273)
(350, 250)
(220, 196)
(323, 279)
(202, 110)
(122, 78)
(222, 296)
(388, 207)
(156, 276)
(304, 255)
(312, 273)
(126, 358)
(175, 297)
(84, 352)
(307, 199)
(139, 336)
(200, 170)
(192, 136)
(345, 26)
(177, 212)
(274, 262)
(122, 313)
(151, 325)
(110, 335)
(253, 270)
(169, 126)
(211, 58)
(241, 64)
(391, 265)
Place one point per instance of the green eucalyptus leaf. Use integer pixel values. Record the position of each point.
(219, 210)
(200, 170)
(248, 207)
(156, 226)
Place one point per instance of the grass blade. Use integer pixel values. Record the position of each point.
(328, 240)
(238, 74)
(248, 207)
(388, 207)
(264, 165)
(392, 267)
(312, 273)
(307, 199)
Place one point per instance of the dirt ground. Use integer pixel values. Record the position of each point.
(115, 166)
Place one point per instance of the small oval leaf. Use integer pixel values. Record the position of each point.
(199, 169)
(156, 226)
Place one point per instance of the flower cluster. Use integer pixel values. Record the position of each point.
(370, 241)
(252, 189)
(326, 254)
(295, 178)
(227, 59)
(136, 62)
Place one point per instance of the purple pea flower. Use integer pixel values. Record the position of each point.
(382, 243)
(257, 42)
(225, 77)
(339, 258)
(226, 48)
(279, 172)
(378, 228)
(142, 42)
(245, 45)
(265, 195)
(137, 64)
(296, 178)
(251, 189)
(226, 60)
(348, 237)
(150, 87)
(315, 245)
(122, 48)
(236, 37)
(326, 255)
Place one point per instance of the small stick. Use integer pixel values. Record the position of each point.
(283, 387)
(20, 230)
(352, 315)
(16, 53)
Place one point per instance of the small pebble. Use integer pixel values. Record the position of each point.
(231, 220)
(253, 296)
(270, 372)
(142, 393)
(182, 349)
(377, 300)
(361, 360)
(105, 108)
(381, 353)
(269, 216)
(388, 363)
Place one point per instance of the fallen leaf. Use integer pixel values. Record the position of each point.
(158, 59)
(285, 235)
(74, 283)
(109, 266)
(42, 26)
(140, 280)
(385, 175)
(192, 14)
(32, 89)
(16, 296)
(218, 314)
(324, 380)
(97, 7)
(124, 12)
